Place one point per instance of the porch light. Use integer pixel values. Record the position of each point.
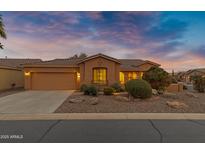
(78, 75)
(27, 73)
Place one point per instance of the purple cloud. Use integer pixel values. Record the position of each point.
(149, 35)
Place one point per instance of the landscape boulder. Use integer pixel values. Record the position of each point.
(93, 101)
(122, 98)
(154, 92)
(177, 105)
(170, 95)
(190, 94)
(76, 100)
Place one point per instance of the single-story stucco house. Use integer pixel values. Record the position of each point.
(11, 72)
(69, 74)
(186, 76)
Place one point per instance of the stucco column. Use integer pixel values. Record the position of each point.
(27, 79)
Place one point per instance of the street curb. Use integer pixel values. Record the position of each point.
(104, 116)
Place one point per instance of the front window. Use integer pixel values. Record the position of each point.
(135, 75)
(130, 76)
(122, 78)
(100, 75)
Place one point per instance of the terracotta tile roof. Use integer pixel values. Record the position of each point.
(17, 63)
(68, 61)
(197, 69)
(180, 73)
(133, 64)
(100, 55)
(201, 70)
(72, 61)
(126, 64)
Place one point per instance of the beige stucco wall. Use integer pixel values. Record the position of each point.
(86, 70)
(176, 87)
(10, 76)
(53, 70)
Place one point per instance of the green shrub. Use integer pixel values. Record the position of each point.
(158, 78)
(138, 88)
(108, 91)
(117, 87)
(174, 80)
(90, 90)
(83, 87)
(199, 83)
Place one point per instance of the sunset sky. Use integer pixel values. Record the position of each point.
(176, 40)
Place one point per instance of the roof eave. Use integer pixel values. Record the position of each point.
(49, 66)
(10, 68)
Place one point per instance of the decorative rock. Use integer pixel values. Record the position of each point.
(154, 92)
(153, 98)
(125, 94)
(160, 92)
(100, 93)
(170, 95)
(76, 100)
(93, 101)
(137, 100)
(191, 94)
(177, 105)
(131, 98)
(122, 98)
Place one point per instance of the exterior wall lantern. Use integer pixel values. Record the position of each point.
(27, 73)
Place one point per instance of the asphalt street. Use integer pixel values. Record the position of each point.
(103, 131)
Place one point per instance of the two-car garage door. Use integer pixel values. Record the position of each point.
(53, 81)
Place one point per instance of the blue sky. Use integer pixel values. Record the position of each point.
(176, 40)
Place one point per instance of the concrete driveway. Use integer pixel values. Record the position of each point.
(33, 101)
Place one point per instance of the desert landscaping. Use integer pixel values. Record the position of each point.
(150, 94)
(184, 102)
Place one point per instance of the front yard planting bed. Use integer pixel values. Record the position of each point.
(155, 104)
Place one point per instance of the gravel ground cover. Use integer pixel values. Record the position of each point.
(156, 104)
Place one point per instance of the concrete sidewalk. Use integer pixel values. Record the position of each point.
(104, 116)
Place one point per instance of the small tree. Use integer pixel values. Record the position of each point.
(1, 46)
(82, 55)
(199, 83)
(157, 77)
(2, 31)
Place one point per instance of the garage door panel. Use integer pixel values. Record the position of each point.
(53, 81)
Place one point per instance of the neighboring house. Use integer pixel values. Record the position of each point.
(62, 74)
(179, 76)
(186, 77)
(11, 72)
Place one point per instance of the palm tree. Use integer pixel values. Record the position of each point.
(2, 31)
